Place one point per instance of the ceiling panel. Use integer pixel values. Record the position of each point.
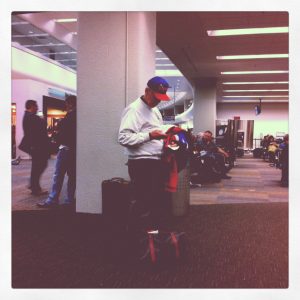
(183, 39)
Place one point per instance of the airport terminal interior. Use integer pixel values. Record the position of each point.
(228, 74)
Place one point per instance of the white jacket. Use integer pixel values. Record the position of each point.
(138, 119)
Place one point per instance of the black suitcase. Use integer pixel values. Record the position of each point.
(116, 204)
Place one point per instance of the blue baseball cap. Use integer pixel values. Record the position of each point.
(159, 86)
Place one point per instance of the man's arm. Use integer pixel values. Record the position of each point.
(220, 150)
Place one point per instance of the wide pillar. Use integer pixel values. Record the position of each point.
(115, 58)
(205, 93)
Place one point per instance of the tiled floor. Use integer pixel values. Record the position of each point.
(253, 181)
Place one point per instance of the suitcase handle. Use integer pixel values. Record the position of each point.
(118, 179)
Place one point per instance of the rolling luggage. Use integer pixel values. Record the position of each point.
(116, 204)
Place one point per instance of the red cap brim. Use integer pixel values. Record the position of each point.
(162, 97)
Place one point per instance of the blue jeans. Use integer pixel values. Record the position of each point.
(65, 163)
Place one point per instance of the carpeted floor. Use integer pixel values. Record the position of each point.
(229, 246)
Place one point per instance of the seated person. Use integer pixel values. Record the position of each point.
(272, 150)
(205, 143)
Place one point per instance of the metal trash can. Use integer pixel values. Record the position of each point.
(181, 198)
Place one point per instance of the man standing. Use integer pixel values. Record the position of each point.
(35, 133)
(142, 136)
(66, 157)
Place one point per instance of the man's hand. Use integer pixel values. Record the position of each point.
(157, 135)
(223, 152)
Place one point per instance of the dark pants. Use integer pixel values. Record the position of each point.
(38, 166)
(152, 208)
(220, 158)
(285, 174)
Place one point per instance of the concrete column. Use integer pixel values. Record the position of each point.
(205, 106)
(116, 57)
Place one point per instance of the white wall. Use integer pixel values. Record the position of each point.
(114, 65)
(273, 118)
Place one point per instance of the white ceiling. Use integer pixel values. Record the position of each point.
(182, 36)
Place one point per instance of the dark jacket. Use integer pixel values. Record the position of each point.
(207, 146)
(66, 130)
(35, 132)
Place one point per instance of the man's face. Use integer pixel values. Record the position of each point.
(34, 108)
(150, 98)
(207, 136)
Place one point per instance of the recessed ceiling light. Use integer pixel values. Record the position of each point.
(66, 59)
(161, 58)
(253, 72)
(255, 101)
(243, 31)
(257, 82)
(70, 20)
(256, 56)
(63, 52)
(20, 23)
(237, 91)
(251, 96)
(30, 35)
(44, 45)
(168, 73)
(164, 65)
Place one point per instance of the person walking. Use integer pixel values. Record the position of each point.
(66, 158)
(37, 145)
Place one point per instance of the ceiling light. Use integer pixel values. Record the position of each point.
(256, 56)
(257, 82)
(29, 35)
(158, 51)
(65, 20)
(255, 101)
(64, 52)
(237, 91)
(251, 96)
(161, 58)
(243, 31)
(74, 33)
(20, 23)
(67, 59)
(168, 73)
(164, 65)
(43, 45)
(253, 72)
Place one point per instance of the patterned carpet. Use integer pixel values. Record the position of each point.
(228, 246)
(240, 243)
